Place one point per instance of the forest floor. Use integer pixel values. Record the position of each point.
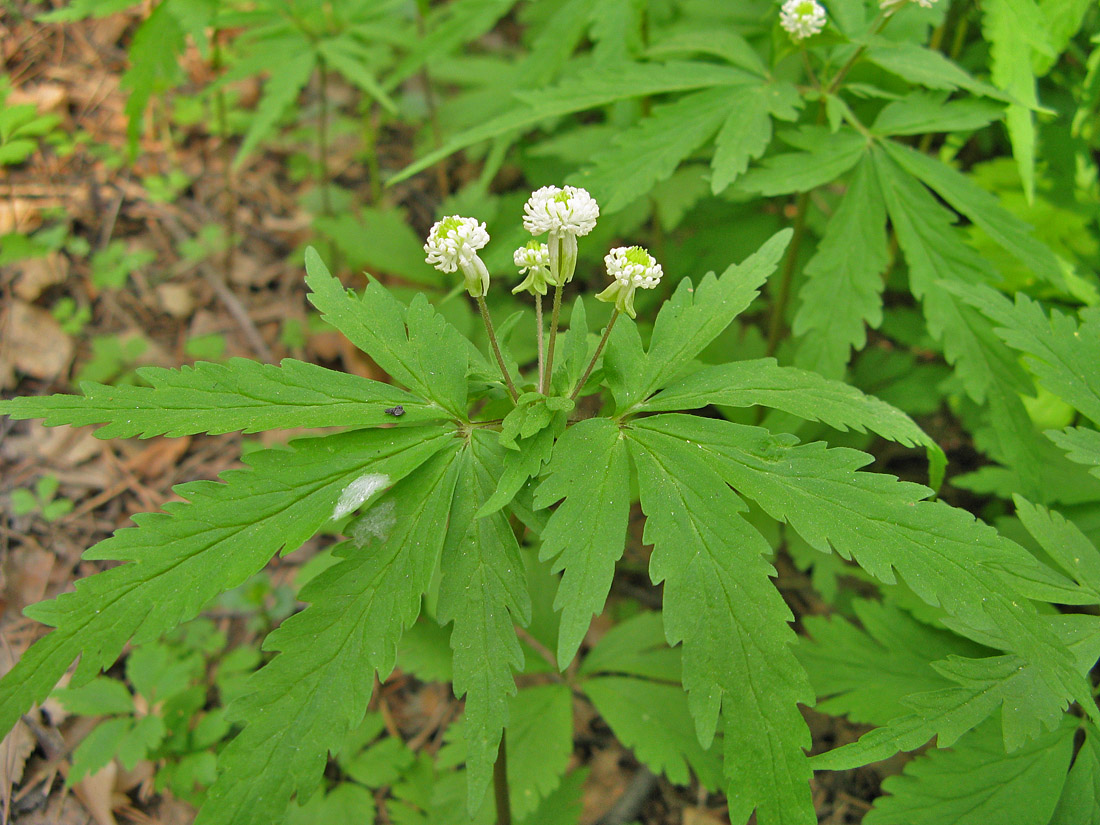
(164, 213)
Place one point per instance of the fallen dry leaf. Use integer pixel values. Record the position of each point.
(176, 300)
(36, 275)
(26, 575)
(605, 784)
(96, 793)
(701, 816)
(15, 747)
(159, 457)
(33, 344)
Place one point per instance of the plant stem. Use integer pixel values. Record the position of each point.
(876, 27)
(549, 373)
(779, 305)
(227, 180)
(595, 355)
(500, 784)
(430, 103)
(322, 140)
(538, 322)
(496, 347)
(809, 69)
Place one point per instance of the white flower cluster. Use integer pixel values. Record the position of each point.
(533, 259)
(802, 18)
(568, 211)
(453, 244)
(891, 6)
(631, 267)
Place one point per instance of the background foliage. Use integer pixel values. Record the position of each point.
(943, 196)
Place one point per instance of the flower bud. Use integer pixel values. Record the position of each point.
(534, 259)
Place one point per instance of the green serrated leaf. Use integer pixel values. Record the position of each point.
(586, 534)
(922, 112)
(799, 392)
(925, 67)
(1061, 353)
(843, 292)
(984, 686)
(635, 647)
(653, 719)
(595, 89)
(686, 324)
(726, 44)
(98, 747)
(287, 79)
(946, 557)
(1081, 445)
(720, 603)
(306, 699)
(540, 742)
(825, 157)
(1019, 788)
(1064, 542)
(651, 150)
(239, 395)
(866, 674)
(982, 208)
(347, 802)
(184, 557)
(154, 65)
(483, 591)
(744, 136)
(380, 241)
(343, 54)
(413, 344)
(1080, 802)
(99, 697)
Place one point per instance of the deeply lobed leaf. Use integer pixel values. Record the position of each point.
(305, 700)
(719, 602)
(239, 395)
(182, 558)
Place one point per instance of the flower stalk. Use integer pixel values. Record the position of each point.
(496, 346)
(596, 355)
(544, 388)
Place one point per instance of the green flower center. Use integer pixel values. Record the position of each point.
(804, 9)
(448, 226)
(637, 255)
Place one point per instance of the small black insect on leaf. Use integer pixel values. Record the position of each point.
(396, 412)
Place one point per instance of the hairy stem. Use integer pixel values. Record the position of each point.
(783, 291)
(549, 373)
(496, 347)
(500, 784)
(595, 355)
(538, 323)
